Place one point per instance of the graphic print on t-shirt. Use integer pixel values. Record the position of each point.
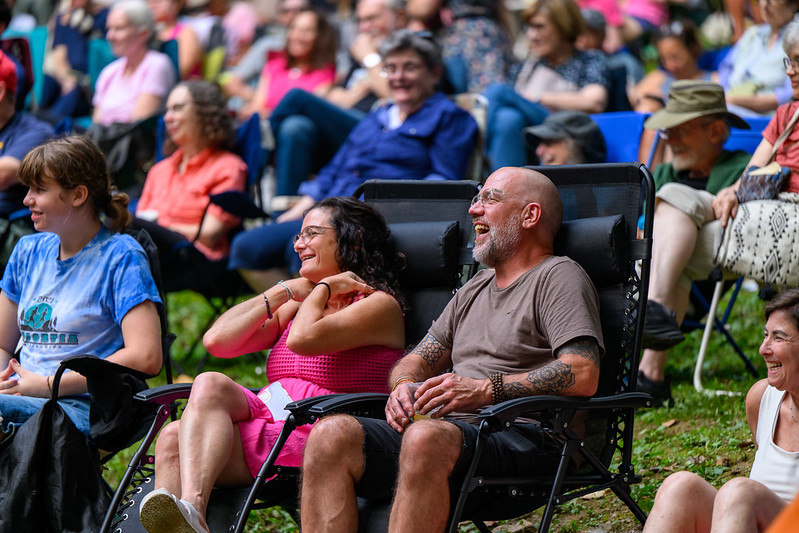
(38, 325)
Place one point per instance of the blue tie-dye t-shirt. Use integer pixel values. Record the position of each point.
(74, 306)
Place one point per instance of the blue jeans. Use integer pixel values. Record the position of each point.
(266, 247)
(17, 409)
(508, 114)
(308, 131)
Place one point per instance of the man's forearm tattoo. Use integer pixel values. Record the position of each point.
(557, 376)
(553, 378)
(430, 350)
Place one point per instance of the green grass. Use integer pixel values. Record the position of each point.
(703, 433)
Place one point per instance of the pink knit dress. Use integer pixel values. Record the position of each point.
(363, 369)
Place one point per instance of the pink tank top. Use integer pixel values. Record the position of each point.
(363, 369)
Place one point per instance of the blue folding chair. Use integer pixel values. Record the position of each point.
(622, 131)
(37, 39)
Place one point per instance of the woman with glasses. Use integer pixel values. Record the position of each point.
(787, 156)
(419, 134)
(338, 327)
(174, 204)
(751, 73)
(557, 77)
(678, 48)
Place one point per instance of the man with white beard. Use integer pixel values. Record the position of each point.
(695, 124)
(527, 325)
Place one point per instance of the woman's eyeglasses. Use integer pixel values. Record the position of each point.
(791, 63)
(309, 232)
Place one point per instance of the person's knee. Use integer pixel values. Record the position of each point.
(508, 122)
(296, 129)
(210, 389)
(334, 439)
(495, 93)
(167, 445)
(741, 491)
(430, 446)
(679, 486)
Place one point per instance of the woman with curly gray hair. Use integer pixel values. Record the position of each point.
(177, 189)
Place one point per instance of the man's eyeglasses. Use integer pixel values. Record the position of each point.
(309, 232)
(489, 197)
(791, 63)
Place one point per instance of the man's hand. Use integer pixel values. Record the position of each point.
(450, 392)
(399, 408)
(725, 204)
(363, 45)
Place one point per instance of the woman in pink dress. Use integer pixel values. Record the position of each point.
(190, 51)
(307, 62)
(339, 327)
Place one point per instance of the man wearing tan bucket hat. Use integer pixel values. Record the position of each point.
(695, 124)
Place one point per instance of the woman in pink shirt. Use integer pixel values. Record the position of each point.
(307, 62)
(134, 86)
(190, 52)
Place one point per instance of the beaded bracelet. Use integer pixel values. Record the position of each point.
(329, 292)
(497, 388)
(289, 292)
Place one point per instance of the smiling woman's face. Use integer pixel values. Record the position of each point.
(317, 246)
(409, 79)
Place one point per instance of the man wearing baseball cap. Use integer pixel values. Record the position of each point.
(567, 138)
(19, 134)
(695, 124)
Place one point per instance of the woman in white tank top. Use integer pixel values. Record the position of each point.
(687, 503)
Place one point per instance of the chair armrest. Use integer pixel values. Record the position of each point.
(165, 394)
(501, 417)
(367, 404)
(237, 203)
(86, 364)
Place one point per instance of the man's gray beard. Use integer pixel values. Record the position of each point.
(502, 244)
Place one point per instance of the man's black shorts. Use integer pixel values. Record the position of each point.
(523, 450)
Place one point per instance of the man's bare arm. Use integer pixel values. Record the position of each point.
(574, 372)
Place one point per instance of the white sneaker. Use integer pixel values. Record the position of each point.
(161, 512)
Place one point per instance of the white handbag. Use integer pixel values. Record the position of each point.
(762, 241)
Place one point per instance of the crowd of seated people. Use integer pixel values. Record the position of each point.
(346, 95)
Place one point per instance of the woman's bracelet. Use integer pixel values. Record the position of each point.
(49, 390)
(269, 314)
(329, 292)
(401, 380)
(289, 292)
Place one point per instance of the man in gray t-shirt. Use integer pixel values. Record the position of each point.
(528, 325)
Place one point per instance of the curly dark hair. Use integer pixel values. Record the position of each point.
(363, 245)
(216, 124)
(73, 161)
